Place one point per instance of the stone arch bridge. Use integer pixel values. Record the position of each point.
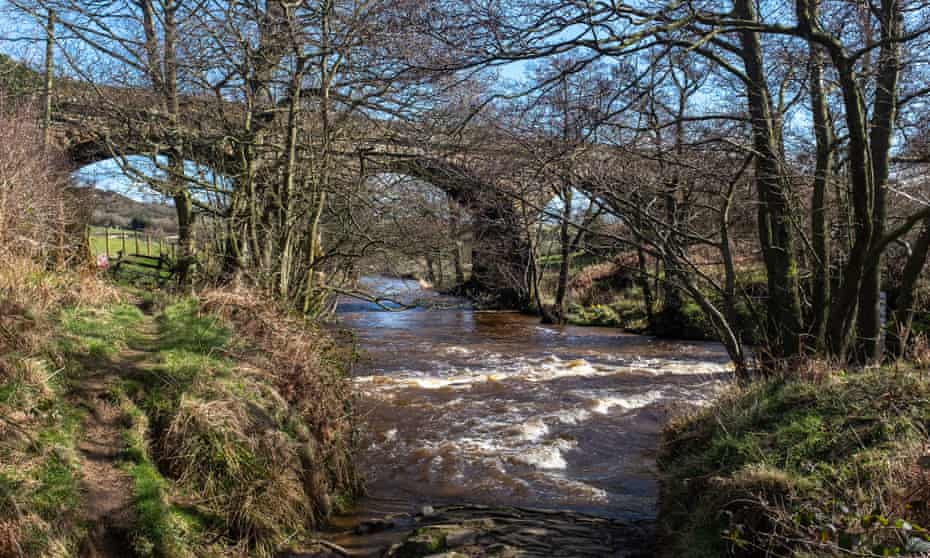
(95, 126)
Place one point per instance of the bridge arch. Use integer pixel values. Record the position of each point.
(499, 249)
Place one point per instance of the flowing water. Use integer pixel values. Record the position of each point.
(494, 408)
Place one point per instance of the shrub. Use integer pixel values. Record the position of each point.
(599, 315)
(39, 214)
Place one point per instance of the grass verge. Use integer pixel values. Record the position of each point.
(831, 466)
(247, 416)
(44, 335)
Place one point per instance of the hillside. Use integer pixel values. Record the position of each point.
(112, 209)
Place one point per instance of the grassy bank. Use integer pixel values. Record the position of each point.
(235, 421)
(606, 294)
(836, 465)
(42, 346)
(254, 443)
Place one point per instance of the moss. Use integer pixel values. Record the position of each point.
(805, 461)
(424, 542)
(597, 315)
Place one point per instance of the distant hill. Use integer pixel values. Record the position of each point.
(18, 80)
(112, 209)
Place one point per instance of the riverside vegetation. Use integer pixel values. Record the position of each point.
(213, 454)
(829, 464)
(152, 424)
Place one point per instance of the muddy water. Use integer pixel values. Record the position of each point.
(493, 408)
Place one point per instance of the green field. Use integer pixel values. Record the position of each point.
(133, 244)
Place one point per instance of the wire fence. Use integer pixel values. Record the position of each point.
(109, 242)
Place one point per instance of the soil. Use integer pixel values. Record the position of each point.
(105, 485)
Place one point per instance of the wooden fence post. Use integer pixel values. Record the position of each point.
(148, 245)
(106, 242)
(124, 242)
(136, 234)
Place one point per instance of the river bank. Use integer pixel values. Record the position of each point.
(172, 427)
(824, 463)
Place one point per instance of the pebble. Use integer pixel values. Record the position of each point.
(460, 537)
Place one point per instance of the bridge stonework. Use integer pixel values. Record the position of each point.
(87, 133)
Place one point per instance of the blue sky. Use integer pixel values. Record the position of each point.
(107, 175)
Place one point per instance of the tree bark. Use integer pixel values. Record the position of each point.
(820, 228)
(565, 250)
(903, 316)
(774, 219)
(185, 257)
(883, 121)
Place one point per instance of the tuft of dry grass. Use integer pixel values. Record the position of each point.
(305, 365)
(251, 420)
(243, 468)
(813, 465)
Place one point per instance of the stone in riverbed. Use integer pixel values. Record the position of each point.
(424, 543)
(500, 550)
(460, 537)
(484, 523)
(374, 526)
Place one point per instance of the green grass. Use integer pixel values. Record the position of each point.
(133, 269)
(99, 332)
(98, 243)
(39, 470)
(580, 260)
(225, 439)
(823, 465)
(162, 528)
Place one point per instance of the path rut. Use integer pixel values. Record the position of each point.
(105, 485)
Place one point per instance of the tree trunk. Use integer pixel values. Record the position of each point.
(286, 200)
(454, 226)
(845, 302)
(903, 315)
(185, 257)
(820, 228)
(774, 219)
(883, 121)
(565, 249)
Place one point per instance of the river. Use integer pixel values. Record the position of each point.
(460, 405)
